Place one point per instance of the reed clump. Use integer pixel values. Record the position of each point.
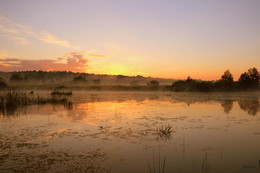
(11, 100)
(164, 130)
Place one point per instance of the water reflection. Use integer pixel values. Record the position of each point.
(205, 165)
(227, 106)
(85, 102)
(124, 126)
(250, 106)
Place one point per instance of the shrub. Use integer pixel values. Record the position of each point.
(16, 77)
(153, 84)
(2, 83)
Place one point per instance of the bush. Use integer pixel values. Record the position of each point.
(80, 78)
(16, 77)
(2, 84)
(153, 84)
(193, 85)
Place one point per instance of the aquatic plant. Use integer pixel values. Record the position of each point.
(164, 130)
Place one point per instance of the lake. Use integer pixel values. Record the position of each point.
(124, 132)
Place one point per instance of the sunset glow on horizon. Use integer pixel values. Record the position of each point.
(165, 39)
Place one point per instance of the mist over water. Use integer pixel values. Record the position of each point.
(118, 132)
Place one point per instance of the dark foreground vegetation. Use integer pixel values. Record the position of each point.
(10, 101)
(248, 81)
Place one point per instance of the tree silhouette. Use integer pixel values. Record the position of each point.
(254, 76)
(249, 79)
(227, 77)
(227, 80)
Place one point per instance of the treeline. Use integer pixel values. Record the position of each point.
(50, 79)
(57, 76)
(247, 81)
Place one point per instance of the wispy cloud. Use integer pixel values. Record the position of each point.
(52, 39)
(96, 56)
(20, 33)
(72, 61)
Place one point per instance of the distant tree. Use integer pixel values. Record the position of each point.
(244, 80)
(16, 77)
(189, 79)
(80, 78)
(254, 76)
(227, 77)
(153, 83)
(139, 76)
(227, 80)
(249, 79)
(121, 76)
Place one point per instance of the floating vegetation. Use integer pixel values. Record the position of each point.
(11, 100)
(57, 92)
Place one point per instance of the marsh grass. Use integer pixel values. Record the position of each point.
(11, 100)
(65, 93)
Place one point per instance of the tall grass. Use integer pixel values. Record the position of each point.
(11, 100)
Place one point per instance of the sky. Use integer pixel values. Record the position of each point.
(158, 38)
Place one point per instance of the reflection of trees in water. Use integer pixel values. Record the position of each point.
(227, 105)
(250, 106)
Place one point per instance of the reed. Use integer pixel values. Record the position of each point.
(164, 130)
(11, 100)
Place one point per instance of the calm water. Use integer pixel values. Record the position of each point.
(118, 132)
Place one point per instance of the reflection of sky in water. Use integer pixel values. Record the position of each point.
(209, 134)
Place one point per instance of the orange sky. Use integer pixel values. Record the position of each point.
(169, 39)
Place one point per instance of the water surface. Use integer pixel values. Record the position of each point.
(118, 132)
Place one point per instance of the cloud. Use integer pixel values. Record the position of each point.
(73, 62)
(8, 30)
(21, 34)
(96, 56)
(52, 39)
